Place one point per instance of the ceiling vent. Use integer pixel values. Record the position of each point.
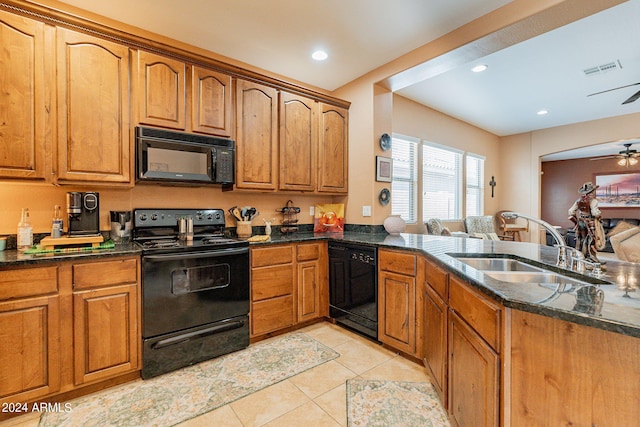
(600, 69)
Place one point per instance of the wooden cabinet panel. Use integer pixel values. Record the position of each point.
(29, 348)
(308, 290)
(473, 377)
(309, 251)
(105, 332)
(211, 102)
(298, 142)
(105, 273)
(269, 282)
(23, 101)
(482, 315)
(398, 262)
(257, 136)
(396, 311)
(435, 341)
(271, 255)
(272, 314)
(438, 279)
(94, 139)
(24, 282)
(161, 91)
(333, 162)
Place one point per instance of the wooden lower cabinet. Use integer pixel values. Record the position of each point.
(289, 285)
(66, 325)
(434, 352)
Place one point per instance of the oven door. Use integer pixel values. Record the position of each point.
(186, 290)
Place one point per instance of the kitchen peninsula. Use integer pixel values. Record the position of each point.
(541, 349)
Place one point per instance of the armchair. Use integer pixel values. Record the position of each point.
(483, 227)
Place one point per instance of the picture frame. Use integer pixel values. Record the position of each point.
(618, 190)
(384, 169)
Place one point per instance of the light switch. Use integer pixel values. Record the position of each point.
(366, 211)
(312, 210)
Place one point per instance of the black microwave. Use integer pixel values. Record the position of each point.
(183, 158)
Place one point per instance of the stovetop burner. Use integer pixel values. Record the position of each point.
(157, 230)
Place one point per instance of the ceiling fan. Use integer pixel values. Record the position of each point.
(629, 100)
(627, 157)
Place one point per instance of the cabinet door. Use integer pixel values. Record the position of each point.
(29, 348)
(298, 142)
(161, 91)
(333, 150)
(94, 141)
(308, 290)
(105, 332)
(473, 377)
(23, 105)
(396, 311)
(211, 102)
(435, 341)
(257, 136)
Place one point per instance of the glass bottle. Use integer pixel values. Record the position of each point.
(25, 232)
(56, 223)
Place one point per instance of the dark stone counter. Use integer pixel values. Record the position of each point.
(619, 311)
(13, 258)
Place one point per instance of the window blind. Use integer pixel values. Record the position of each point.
(441, 182)
(404, 186)
(474, 185)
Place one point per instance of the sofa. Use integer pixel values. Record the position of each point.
(481, 227)
(611, 226)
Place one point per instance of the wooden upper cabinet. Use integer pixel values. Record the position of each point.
(257, 136)
(333, 150)
(23, 105)
(94, 142)
(298, 142)
(211, 102)
(161, 91)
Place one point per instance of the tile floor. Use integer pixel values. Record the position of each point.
(316, 397)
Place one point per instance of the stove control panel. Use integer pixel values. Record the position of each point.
(170, 217)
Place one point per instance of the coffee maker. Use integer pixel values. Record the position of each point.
(84, 214)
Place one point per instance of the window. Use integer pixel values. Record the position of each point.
(404, 186)
(441, 182)
(450, 181)
(475, 185)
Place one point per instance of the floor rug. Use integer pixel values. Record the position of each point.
(177, 396)
(393, 403)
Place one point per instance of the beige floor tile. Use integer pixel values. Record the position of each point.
(397, 369)
(334, 403)
(321, 379)
(269, 403)
(27, 420)
(309, 414)
(328, 334)
(361, 356)
(221, 417)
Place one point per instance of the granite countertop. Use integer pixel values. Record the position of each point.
(619, 311)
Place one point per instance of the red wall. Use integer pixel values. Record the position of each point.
(561, 180)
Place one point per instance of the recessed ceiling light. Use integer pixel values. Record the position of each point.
(479, 68)
(542, 112)
(319, 55)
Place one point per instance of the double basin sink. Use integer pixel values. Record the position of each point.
(510, 270)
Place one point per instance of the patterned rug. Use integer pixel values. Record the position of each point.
(393, 403)
(177, 396)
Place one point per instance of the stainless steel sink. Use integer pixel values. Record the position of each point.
(529, 277)
(497, 264)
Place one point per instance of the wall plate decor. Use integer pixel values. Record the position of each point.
(385, 197)
(385, 141)
(384, 169)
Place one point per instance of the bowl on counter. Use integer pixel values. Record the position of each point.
(3, 243)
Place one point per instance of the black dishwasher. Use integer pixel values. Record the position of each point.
(353, 281)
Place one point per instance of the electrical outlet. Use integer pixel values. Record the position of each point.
(312, 210)
(366, 211)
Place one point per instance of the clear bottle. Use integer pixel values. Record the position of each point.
(25, 231)
(56, 223)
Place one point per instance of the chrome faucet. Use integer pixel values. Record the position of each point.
(576, 256)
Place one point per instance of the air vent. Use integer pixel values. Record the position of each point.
(599, 69)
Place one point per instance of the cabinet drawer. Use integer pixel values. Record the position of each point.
(25, 282)
(397, 262)
(272, 255)
(271, 282)
(480, 313)
(105, 273)
(271, 315)
(308, 252)
(438, 280)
